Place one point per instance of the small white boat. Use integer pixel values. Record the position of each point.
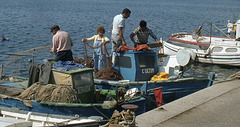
(207, 49)
(41, 119)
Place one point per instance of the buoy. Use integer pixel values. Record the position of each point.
(185, 56)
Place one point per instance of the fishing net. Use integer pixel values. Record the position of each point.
(16, 64)
(86, 62)
(234, 76)
(109, 74)
(50, 93)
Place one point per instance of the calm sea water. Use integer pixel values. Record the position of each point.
(27, 22)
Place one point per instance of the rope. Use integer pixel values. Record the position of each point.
(109, 64)
(93, 47)
(129, 123)
(100, 112)
(86, 56)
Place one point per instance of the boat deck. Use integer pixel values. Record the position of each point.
(207, 39)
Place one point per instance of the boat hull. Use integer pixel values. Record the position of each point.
(171, 89)
(211, 50)
(73, 109)
(204, 57)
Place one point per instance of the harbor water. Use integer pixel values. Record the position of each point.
(27, 22)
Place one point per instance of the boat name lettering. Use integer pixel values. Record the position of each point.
(148, 70)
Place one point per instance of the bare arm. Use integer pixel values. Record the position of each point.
(132, 37)
(157, 41)
(54, 46)
(88, 39)
(106, 41)
(154, 37)
(121, 35)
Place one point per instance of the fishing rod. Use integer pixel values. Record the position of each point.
(29, 50)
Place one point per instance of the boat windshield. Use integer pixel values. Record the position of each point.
(123, 61)
(146, 61)
(83, 82)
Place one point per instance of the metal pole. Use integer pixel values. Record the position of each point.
(33, 58)
(1, 72)
(210, 33)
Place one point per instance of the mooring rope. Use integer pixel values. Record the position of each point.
(100, 112)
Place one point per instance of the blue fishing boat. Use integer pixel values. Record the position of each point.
(138, 67)
(81, 80)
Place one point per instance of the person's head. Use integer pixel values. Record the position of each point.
(100, 31)
(54, 29)
(143, 24)
(126, 13)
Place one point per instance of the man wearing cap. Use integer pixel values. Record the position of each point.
(142, 33)
(61, 44)
(118, 27)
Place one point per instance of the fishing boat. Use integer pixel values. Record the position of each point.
(92, 102)
(223, 50)
(138, 67)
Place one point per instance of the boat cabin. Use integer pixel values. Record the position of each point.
(81, 80)
(136, 65)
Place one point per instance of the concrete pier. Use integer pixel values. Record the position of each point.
(216, 106)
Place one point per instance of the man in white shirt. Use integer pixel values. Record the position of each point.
(118, 27)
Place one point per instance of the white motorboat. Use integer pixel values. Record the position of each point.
(207, 49)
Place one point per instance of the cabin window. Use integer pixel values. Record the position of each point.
(231, 50)
(82, 79)
(123, 61)
(217, 49)
(146, 61)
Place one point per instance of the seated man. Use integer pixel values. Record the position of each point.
(142, 33)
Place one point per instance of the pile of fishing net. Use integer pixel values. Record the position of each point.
(234, 76)
(50, 93)
(109, 74)
(86, 62)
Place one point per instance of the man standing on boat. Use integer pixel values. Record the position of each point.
(61, 44)
(142, 33)
(118, 27)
